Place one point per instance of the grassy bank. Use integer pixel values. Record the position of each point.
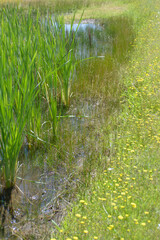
(122, 200)
(92, 9)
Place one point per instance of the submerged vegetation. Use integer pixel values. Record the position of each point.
(94, 123)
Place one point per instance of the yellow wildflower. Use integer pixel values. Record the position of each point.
(143, 224)
(146, 213)
(133, 205)
(120, 217)
(113, 204)
(102, 199)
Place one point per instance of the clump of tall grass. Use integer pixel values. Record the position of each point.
(17, 91)
(36, 71)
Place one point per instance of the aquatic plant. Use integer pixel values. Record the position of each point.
(66, 62)
(17, 92)
(35, 57)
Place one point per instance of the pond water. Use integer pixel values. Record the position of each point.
(83, 26)
(47, 177)
(91, 39)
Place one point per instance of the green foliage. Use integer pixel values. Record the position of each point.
(37, 66)
(17, 92)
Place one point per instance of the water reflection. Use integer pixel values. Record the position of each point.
(91, 39)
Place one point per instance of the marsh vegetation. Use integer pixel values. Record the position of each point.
(63, 103)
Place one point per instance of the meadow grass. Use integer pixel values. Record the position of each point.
(95, 9)
(121, 200)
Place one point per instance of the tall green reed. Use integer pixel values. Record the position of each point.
(65, 59)
(36, 71)
(60, 57)
(17, 90)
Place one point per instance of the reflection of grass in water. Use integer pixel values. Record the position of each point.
(92, 40)
(98, 78)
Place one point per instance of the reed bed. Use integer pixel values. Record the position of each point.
(37, 68)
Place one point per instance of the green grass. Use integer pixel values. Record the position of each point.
(17, 91)
(118, 197)
(37, 67)
(121, 200)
